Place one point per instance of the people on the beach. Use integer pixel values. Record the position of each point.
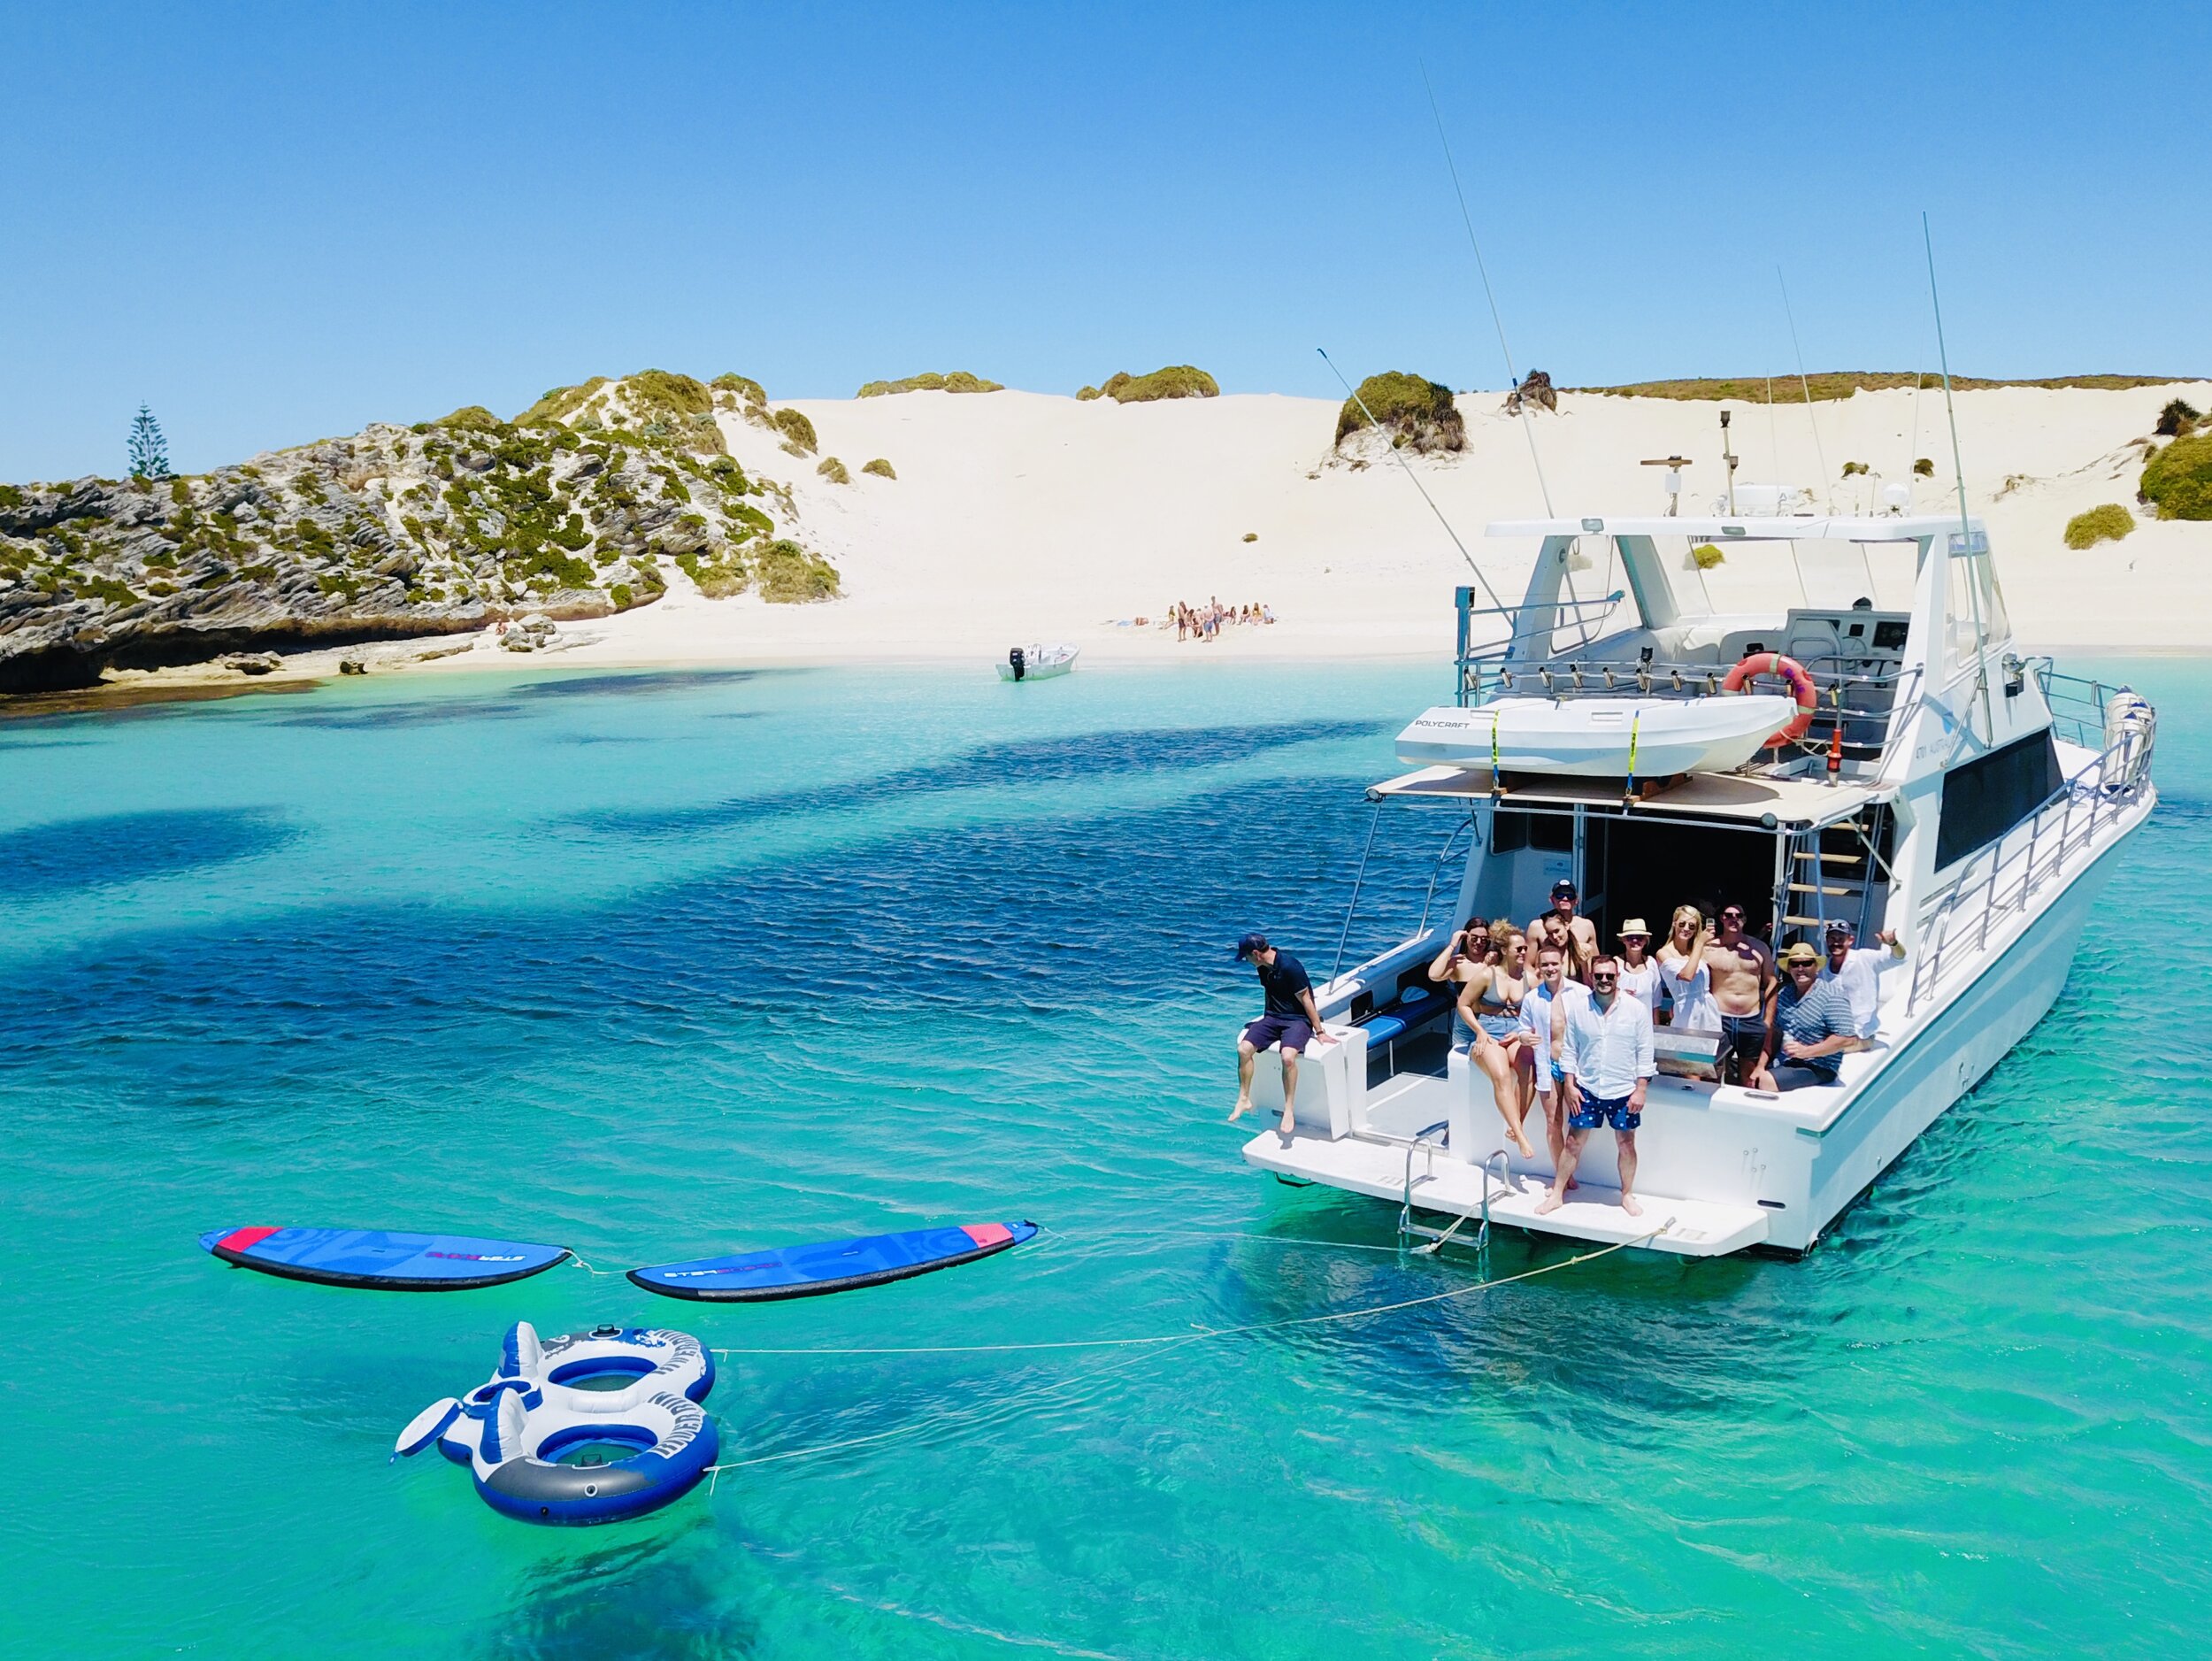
(1577, 937)
(1288, 1020)
(1206, 622)
(1740, 968)
(1490, 1003)
(1606, 1065)
(1857, 969)
(1809, 1025)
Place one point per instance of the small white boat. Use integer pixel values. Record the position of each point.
(1038, 663)
(1608, 738)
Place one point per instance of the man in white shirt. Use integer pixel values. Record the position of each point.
(1607, 1064)
(1854, 968)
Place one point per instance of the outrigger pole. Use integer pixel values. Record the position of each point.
(1958, 472)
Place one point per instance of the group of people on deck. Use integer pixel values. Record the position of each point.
(1561, 1025)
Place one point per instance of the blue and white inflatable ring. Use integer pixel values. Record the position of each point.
(588, 1427)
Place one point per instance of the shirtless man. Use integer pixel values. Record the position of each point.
(1740, 968)
(1577, 937)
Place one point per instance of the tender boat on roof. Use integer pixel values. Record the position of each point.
(1935, 781)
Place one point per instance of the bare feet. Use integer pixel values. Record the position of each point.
(1528, 1148)
(1243, 1106)
(1551, 1202)
(1629, 1205)
(1289, 1125)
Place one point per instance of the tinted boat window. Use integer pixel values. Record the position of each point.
(1987, 796)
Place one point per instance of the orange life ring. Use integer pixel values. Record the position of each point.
(1773, 663)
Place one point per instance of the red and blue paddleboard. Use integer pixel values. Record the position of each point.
(374, 1258)
(835, 1265)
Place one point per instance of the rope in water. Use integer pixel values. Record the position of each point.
(1215, 1331)
(1147, 1348)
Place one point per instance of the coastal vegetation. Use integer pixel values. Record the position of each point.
(2177, 420)
(880, 468)
(2178, 478)
(1176, 380)
(1415, 412)
(573, 509)
(834, 470)
(1829, 385)
(798, 432)
(958, 381)
(2107, 523)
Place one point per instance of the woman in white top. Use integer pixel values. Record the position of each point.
(1639, 974)
(1683, 975)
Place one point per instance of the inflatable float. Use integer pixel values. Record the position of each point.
(588, 1427)
(836, 1266)
(375, 1258)
(1596, 737)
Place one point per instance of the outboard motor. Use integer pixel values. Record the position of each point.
(1019, 661)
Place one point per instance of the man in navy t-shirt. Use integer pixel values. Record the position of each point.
(1290, 1020)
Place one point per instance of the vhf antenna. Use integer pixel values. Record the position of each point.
(1958, 470)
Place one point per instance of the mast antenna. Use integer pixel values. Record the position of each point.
(1958, 472)
(1415, 477)
(1467, 218)
(1819, 452)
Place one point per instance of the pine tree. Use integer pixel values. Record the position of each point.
(150, 451)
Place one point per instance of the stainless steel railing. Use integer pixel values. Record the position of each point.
(1998, 882)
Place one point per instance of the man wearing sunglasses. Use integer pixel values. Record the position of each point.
(1607, 1064)
(1741, 968)
(1289, 1019)
(1577, 937)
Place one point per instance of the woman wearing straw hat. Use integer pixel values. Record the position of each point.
(1640, 973)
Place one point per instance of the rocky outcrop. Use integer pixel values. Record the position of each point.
(437, 528)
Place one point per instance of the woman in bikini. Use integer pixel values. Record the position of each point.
(1462, 956)
(1490, 1002)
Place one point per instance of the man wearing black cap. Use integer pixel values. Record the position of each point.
(1577, 937)
(1289, 1019)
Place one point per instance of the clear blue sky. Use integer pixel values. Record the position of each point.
(275, 223)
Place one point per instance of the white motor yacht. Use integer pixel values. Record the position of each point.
(1945, 787)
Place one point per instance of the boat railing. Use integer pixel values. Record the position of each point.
(2077, 703)
(1478, 644)
(1998, 882)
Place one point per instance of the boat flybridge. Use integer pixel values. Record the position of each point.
(1917, 774)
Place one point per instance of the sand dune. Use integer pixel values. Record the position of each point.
(1017, 516)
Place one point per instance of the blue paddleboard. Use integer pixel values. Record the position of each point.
(835, 1266)
(372, 1257)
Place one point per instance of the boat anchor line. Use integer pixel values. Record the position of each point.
(1146, 1347)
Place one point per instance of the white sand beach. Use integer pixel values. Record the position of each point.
(1017, 516)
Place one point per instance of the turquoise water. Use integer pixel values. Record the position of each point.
(655, 966)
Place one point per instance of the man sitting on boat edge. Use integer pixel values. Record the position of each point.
(1289, 1019)
(1809, 1026)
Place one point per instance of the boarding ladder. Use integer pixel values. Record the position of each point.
(1829, 873)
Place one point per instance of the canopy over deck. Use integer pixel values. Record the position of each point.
(1795, 804)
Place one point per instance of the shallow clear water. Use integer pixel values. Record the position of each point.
(660, 964)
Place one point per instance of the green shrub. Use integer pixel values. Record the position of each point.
(1412, 409)
(2178, 478)
(471, 417)
(2107, 523)
(622, 596)
(798, 429)
(1177, 380)
(1852, 468)
(958, 381)
(791, 576)
(2177, 420)
(1251, 536)
(1706, 556)
(1924, 468)
(179, 492)
(744, 386)
(880, 468)
(1087, 394)
(834, 470)
(677, 394)
(559, 404)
